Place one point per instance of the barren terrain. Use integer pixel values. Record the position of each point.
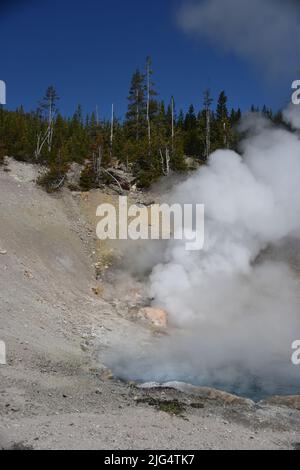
(55, 393)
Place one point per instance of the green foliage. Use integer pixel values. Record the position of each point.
(2, 153)
(172, 407)
(88, 179)
(53, 179)
(136, 114)
(173, 137)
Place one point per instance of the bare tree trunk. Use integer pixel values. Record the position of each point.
(225, 135)
(173, 131)
(137, 116)
(165, 161)
(48, 135)
(162, 161)
(42, 140)
(37, 151)
(148, 105)
(97, 162)
(207, 136)
(207, 104)
(112, 130)
(59, 184)
(115, 179)
(50, 126)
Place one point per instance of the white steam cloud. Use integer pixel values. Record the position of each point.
(265, 32)
(233, 307)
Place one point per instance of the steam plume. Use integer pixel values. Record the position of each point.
(265, 32)
(234, 307)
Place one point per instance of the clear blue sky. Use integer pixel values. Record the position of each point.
(89, 49)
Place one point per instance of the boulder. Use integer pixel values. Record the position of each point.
(73, 175)
(156, 316)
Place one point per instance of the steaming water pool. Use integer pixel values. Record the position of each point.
(254, 392)
(257, 392)
(254, 388)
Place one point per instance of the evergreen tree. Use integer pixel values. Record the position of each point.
(222, 111)
(80, 138)
(48, 105)
(223, 135)
(192, 146)
(136, 114)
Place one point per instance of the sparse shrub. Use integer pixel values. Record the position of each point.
(172, 407)
(87, 179)
(73, 187)
(2, 154)
(53, 180)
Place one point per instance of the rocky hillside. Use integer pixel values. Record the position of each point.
(55, 391)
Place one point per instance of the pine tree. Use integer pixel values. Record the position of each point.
(191, 136)
(180, 120)
(223, 127)
(222, 111)
(136, 114)
(49, 102)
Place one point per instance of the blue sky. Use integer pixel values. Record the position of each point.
(89, 49)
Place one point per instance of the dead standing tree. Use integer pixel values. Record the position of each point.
(48, 106)
(207, 105)
(99, 169)
(166, 158)
(137, 116)
(112, 130)
(97, 162)
(165, 161)
(149, 102)
(173, 123)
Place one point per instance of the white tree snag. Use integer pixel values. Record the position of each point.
(172, 125)
(50, 125)
(148, 103)
(47, 137)
(112, 130)
(137, 116)
(207, 104)
(115, 179)
(42, 139)
(97, 162)
(225, 135)
(165, 161)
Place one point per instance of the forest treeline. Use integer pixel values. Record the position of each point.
(152, 140)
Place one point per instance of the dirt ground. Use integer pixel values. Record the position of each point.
(55, 392)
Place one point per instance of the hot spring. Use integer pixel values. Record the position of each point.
(233, 307)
